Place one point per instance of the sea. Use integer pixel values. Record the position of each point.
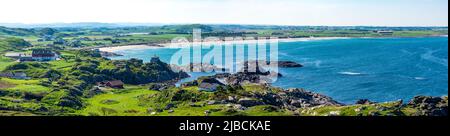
(349, 69)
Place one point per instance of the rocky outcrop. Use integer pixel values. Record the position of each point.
(198, 67)
(430, 106)
(290, 99)
(189, 84)
(249, 102)
(301, 98)
(289, 64)
(109, 54)
(160, 86)
(93, 92)
(364, 102)
(280, 64)
(209, 84)
(243, 78)
(206, 67)
(247, 77)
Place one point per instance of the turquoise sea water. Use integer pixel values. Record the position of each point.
(379, 69)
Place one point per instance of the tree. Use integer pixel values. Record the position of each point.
(59, 41)
(17, 42)
(47, 31)
(75, 43)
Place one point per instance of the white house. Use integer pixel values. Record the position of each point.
(43, 55)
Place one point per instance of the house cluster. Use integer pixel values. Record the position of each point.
(54, 39)
(117, 84)
(36, 55)
(385, 32)
(18, 75)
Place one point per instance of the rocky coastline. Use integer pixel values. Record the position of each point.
(304, 102)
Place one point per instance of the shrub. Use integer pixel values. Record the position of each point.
(33, 96)
(107, 111)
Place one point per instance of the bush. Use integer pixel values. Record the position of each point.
(33, 96)
(19, 66)
(71, 102)
(17, 42)
(32, 69)
(53, 98)
(107, 111)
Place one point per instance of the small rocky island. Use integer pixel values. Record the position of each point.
(280, 64)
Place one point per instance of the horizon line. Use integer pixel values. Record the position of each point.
(243, 24)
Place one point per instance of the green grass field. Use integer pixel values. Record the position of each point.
(137, 100)
(5, 62)
(31, 86)
(118, 103)
(62, 64)
(384, 109)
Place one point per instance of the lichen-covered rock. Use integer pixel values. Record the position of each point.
(430, 106)
(289, 64)
(364, 102)
(93, 92)
(249, 102)
(296, 98)
(160, 86)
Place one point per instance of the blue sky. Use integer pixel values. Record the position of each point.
(279, 12)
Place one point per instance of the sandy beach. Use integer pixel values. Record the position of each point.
(127, 47)
(177, 45)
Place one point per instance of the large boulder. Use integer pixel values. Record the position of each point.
(296, 98)
(160, 86)
(189, 84)
(289, 64)
(364, 102)
(281, 64)
(109, 54)
(209, 84)
(249, 102)
(430, 106)
(314, 99)
(93, 92)
(198, 67)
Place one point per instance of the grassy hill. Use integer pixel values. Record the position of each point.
(67, 86)
(16, 31)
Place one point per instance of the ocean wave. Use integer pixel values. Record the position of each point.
(430, 57)
(420, 78)
(350, 73)
(284, 54)
(407, 52)
(312, 39)
(316, 63)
